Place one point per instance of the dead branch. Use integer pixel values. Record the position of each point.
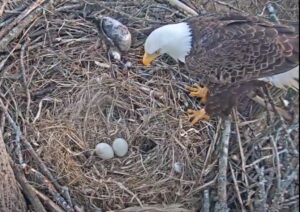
(45, 170)
(237, 190)
(42, 180)
(282, 112)
(229, 6)
(28, 147)
(237, 124)
(17, 130)
(210, 149)
(292, 149)
(47, 201)
(221, 205)
(206, 203)
(11, 198)
(156, 208)
(260, 203)
(16, 28)
(181, 6)
(28, 190)
(25, 82)
(206, 185)
(264, 158)
(32, 7)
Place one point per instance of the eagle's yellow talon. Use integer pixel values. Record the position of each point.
(197, 115)
(198, 91)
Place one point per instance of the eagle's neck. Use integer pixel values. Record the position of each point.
(178, 40)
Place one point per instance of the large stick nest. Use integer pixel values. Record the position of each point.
(67, 94)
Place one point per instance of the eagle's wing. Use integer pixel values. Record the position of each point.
(235, 48)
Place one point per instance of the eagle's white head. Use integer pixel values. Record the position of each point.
(173, 39)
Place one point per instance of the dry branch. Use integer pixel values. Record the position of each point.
(221, 205)
(18, 19)
(260, 203)
(236, 120)
(47, 201)
(282, 112)
(15, 29)
(16, 129)
(229, 6)
(206, 203)
(42, 180)
(11, 198)
(157, 208)
(184, 8)
(24, 79)
(44, 169)
(28, 190)
(236, 186)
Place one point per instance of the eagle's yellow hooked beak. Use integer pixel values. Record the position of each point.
(148, 58)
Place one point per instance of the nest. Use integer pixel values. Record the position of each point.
(65, 94)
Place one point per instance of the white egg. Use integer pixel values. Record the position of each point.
(120, 146)
(104, 151)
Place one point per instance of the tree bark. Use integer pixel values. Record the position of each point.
(11, 198)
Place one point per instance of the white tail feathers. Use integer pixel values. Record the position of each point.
(289, 79)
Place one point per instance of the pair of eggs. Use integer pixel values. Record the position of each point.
(105, 151)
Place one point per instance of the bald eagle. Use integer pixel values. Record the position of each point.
(230, 54)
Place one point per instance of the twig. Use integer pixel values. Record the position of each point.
(277, 162)
(160, 208)
(17, 132)
(29, 148)
(52, 206)
(279, 191)
(221, 205)
(37, 116)
(44, 168)
(184, 8)
(28, 190)
(229, 6)
(112, 9)
(236, 120)
(282, 112)
(206, 203)
(25, 83)
(3, 62)
(134, 196)
(264, 158)
(237, 190)
(14, 32)
(41, 179)
(3, 7)
(4, 31)
(293, 148)
(11, 198)
(205, 185)
(260, 203)
(210, 150)
(290, 178)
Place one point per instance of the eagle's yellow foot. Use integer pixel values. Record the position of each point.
(197, 115)
(198, 91)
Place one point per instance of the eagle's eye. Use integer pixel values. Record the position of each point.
(157, 52)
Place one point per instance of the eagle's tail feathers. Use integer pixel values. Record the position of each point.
(289, 79)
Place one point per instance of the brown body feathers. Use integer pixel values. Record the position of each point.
(232, 53)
